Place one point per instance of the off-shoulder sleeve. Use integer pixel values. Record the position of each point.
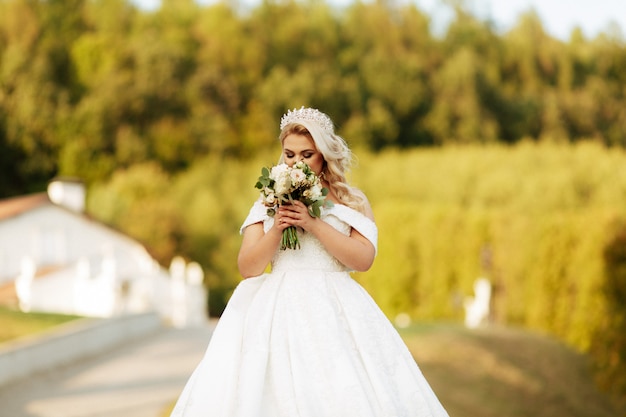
(258, 213)
(358, 221)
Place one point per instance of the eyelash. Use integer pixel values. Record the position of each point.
(306, 156)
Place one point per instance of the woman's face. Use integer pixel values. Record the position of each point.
(301, 148)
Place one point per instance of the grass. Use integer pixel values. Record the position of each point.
(15, 324)
(499, 371)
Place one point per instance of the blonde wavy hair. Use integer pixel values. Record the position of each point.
(338, 160)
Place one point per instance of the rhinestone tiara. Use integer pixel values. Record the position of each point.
(309, 115)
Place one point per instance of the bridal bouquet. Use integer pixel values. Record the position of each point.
(283, 184)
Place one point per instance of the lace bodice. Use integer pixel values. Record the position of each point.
(312, 255)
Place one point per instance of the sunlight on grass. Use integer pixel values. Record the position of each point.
(500, 371)
(15, 324)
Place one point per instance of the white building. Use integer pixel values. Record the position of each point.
(55, 258)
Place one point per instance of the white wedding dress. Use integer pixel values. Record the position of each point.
(306, 340)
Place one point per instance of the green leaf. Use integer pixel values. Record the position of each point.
(314, 210)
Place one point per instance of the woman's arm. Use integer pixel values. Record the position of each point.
(258, 248)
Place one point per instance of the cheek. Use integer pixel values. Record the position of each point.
(318, 165)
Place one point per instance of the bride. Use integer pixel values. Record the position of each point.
(306, 340)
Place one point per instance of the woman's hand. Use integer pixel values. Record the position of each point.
(281, 220)
(354, 250)
(295, 214)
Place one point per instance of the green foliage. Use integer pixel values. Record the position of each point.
(88, 87)
(138, 202)
(609, 344)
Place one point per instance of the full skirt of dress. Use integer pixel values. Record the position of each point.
(306, 343)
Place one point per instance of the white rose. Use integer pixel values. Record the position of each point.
(297, 176)
(282, 185)
(278, 171)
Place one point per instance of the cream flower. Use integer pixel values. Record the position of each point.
(268, 197)
(297, 176)
(314, 193)
(278, 171)
(283, 184)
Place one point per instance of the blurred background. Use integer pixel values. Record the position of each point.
(489, 140)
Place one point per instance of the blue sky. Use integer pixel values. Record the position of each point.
(558, 16)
